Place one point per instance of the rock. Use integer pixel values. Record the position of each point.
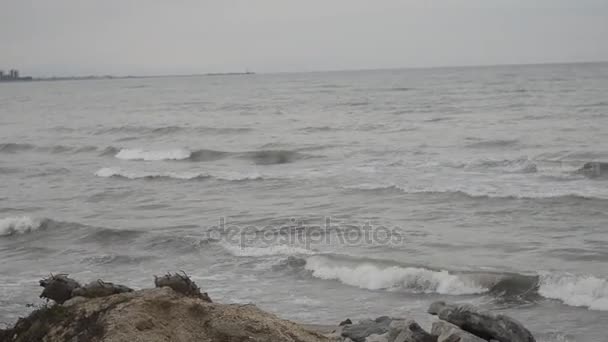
(448, 332)
(345, 322)
(58, 287)
(414, 333)
(181, 284)
(99, 288)
(481, 323)
(377, 338)
(155, 315)
(594, 169)
(360, 331)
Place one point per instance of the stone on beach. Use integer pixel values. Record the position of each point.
(482, 323)
(448, 332)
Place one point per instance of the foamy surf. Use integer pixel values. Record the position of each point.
(584, 291)
(18, 225)
(108, 172)
(151, 155)
(370, 276)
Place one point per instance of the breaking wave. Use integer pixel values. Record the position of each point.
(584, 291)
(371, 276)
(471, 194)
(20, 225)
(108, 172)
(573, 290)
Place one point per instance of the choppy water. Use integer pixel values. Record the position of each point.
(358, 193)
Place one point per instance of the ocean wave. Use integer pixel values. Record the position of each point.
(108, 172)
(573, 290)
(11, 226)
(391, 187)
(167, 130)
(497, 143)
(15, 147)
(518, 165)
(372, 276)
(151, 155)
(244, 251)
(269, 157)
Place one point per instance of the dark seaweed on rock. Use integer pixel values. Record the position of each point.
(58, 287)
(181, 283)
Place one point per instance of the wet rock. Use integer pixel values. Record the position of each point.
(481, 323)
(448, 332)
(377, 338)
(155, 315)
(360, 331)
(181, 283)
(413, 332)
(58, 287)
(346, 322)
(100, 288)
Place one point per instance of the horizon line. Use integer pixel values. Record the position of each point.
(110, 76)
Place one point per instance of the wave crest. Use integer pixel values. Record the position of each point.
(11, 226)
(585, 291)
(375, 277)
(108, 172)
(140, 154)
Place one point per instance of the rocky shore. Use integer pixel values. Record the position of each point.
(176, 310)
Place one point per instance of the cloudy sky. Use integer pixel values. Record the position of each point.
(143, 37)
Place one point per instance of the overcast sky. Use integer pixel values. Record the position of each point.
(77, 37)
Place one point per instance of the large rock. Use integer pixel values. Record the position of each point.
(100, 288)
(481, 323)
(386, 329)
(448, 332)
(181, 283)
(58, 287)
(154, 315)
(412, 332)
(360, 331)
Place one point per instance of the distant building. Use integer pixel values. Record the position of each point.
(13, 75)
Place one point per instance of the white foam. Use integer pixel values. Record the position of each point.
(140, 154)
(234, 176)
(367, 275)
(585, 291)
(266, 251)
(18, 225)
(118, 172)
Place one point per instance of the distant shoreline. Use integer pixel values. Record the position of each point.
(111, 77)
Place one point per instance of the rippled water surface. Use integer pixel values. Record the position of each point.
(357, 194)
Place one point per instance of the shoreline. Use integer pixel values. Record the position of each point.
(177, 310)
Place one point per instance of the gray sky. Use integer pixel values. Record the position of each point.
(66, 37)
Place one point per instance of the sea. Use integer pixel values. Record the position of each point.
(319, 196)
